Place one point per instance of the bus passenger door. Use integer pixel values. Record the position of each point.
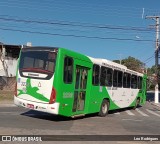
(80, 89)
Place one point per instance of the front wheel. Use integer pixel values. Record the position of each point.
(104, 108)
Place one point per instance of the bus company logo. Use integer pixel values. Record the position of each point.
(6, 138)
(23, 83)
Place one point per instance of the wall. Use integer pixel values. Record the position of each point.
(11, 65)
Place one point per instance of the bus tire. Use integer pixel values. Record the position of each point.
(137, 103)
(104, 108)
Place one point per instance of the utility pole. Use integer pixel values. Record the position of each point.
(156, 18)
(120, 58)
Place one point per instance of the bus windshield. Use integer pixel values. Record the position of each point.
(37, 61)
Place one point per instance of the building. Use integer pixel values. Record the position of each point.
(8, 63)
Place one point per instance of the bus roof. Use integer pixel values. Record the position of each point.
(113, 65)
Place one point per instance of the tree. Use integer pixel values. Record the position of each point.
(151, 71)
(132, 63)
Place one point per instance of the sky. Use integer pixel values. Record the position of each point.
(110, 29)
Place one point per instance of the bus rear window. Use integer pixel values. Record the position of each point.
(42, 62)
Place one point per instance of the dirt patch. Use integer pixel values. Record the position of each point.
(6, 95)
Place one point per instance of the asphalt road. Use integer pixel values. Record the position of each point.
(144, 120)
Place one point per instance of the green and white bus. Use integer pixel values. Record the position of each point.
(63, 82)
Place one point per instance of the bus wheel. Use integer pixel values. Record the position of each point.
(104, 108)
(137, 103)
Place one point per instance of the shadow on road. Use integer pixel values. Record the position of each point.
(52, 117)
(123, 109)
(56, 118)
(45, 116)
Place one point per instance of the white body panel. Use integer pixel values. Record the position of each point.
(44, 88)
(49, 108)
(122, 97)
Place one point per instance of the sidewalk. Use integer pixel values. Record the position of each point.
(7, 103)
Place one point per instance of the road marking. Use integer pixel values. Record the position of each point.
(131, 120)
(129, 112)
(117, 113)
(142, 113)
(153, 112)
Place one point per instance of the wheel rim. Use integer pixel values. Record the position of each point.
(104, 108)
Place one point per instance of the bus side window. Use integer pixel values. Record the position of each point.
(139, 82)
(117, 78)
(126, 80)
(109, 77)
(68, 70)
(95, 77)
(106, 76)
(134, 82)
(129, 81)
(103, 76)
(120, 76)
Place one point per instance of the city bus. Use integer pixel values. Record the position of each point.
(63, 82)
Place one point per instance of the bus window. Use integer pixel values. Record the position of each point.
(68, 70)
(28, 62)
(134, 81)
(37, 62)
(84, 78)
(139, 82)
(126, 80)
(77, 78)
(109, 77)
(129, 81)
(106, 76)
(95, 77)
(103, 76)
(117, 78)
(120, 75)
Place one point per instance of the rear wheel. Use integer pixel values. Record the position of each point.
(104, 108)
(137, 103)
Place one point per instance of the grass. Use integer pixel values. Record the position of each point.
(6, 95)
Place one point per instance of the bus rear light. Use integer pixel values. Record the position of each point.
(53, 96)
(15, 91)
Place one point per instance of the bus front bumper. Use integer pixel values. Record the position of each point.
(43, 107)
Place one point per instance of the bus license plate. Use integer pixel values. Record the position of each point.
(30, 106)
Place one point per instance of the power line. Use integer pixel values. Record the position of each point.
(76, 36)
(149, 59)
(77, 25)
